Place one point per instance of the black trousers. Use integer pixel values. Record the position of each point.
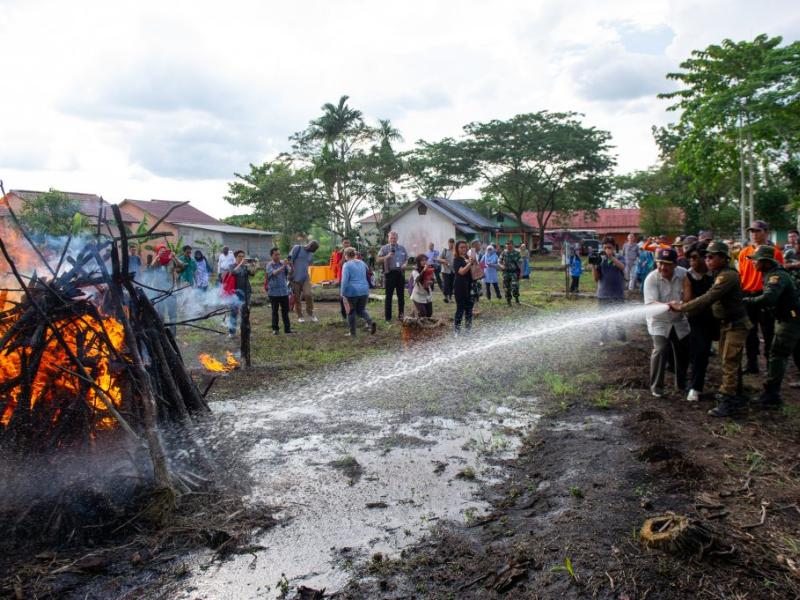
(573, 286)
(489, 290)
(282, 303)
(464, 305)
(394, 284)
(700, 339)
(449, 278)
(438, 274)
(764, 320)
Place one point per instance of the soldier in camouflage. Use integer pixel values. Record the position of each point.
(780, 294)
(511, 265)
(726, 301)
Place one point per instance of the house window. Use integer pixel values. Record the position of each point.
(422, 209)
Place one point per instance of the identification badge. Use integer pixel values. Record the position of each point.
(719, 280)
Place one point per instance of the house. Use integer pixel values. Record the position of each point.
(369, 230)
(91, 206)
(509, 228)
(604, 222)
(188, 225)
(437, 220)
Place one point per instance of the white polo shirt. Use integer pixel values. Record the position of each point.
(658, 289)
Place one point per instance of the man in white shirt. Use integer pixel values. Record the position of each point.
(669, 330)
(225, 262)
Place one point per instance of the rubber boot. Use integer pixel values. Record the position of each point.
(770, 399)
(729, 406)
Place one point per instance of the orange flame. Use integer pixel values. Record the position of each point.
(216, 366)
(57, 381)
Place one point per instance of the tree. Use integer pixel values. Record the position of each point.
(281, 196)
(343, 155)
(53, 213)
(438, 169)
(745, 94)
(541, 162)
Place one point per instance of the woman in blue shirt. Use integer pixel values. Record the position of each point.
(490, 272)
(575, 270)
(355, 291)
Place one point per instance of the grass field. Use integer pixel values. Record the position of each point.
(319, 345)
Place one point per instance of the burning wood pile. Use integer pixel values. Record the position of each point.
(86, 358)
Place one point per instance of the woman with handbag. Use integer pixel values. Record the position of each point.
(462, 286)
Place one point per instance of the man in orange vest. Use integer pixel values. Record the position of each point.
(752, 286)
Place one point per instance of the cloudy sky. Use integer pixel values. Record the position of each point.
(167, 99)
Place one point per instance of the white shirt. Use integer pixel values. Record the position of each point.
(658, 289)
(225, 262)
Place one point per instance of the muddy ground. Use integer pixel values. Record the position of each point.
(565, 521)
(592, 456)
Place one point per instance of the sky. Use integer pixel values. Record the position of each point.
(169, 99)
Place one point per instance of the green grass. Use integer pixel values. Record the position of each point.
(558, 385)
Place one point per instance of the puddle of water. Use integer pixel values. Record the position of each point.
(409, 474)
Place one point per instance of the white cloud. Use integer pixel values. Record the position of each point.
(166, 99)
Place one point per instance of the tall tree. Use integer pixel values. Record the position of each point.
(745, 93)
(541, 162)
(281, 196)
(438, 169)
(338, 148)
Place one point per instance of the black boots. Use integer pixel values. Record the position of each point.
(770, 399)
(729, 406)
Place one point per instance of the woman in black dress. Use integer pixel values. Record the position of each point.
(462, 286)
(704, 327)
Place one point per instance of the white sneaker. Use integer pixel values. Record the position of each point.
(314, 319)
(657, 393)
(693, 396)
(301, 320)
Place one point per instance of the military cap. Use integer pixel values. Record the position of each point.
(719, 248)
(764, 252)
(666, 255)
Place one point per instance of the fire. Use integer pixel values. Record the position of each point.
(56, 383)
(216, 366)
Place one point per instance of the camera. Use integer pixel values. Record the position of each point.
(595, 258)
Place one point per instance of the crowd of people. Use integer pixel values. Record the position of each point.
(744, 298)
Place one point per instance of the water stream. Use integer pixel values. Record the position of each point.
(364, 459)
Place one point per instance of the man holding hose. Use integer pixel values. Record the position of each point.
(726, 301)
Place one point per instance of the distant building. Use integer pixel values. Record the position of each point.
(437, 220)
(605, 222)
(197, 228)
(92, 206)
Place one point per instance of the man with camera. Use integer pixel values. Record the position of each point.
(669, 330)
(608, 272)
(393, 257)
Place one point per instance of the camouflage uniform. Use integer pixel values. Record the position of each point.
(726, 301)
(512, 266)
(780, 294)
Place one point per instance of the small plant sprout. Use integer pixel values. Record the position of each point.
(576, 492)
(566, 567)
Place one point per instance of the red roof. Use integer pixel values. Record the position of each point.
(604, 220)
(184, 214)
(89, 204)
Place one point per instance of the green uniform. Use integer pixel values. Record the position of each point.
(780, 294)
(726, 301)
(511, 262)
